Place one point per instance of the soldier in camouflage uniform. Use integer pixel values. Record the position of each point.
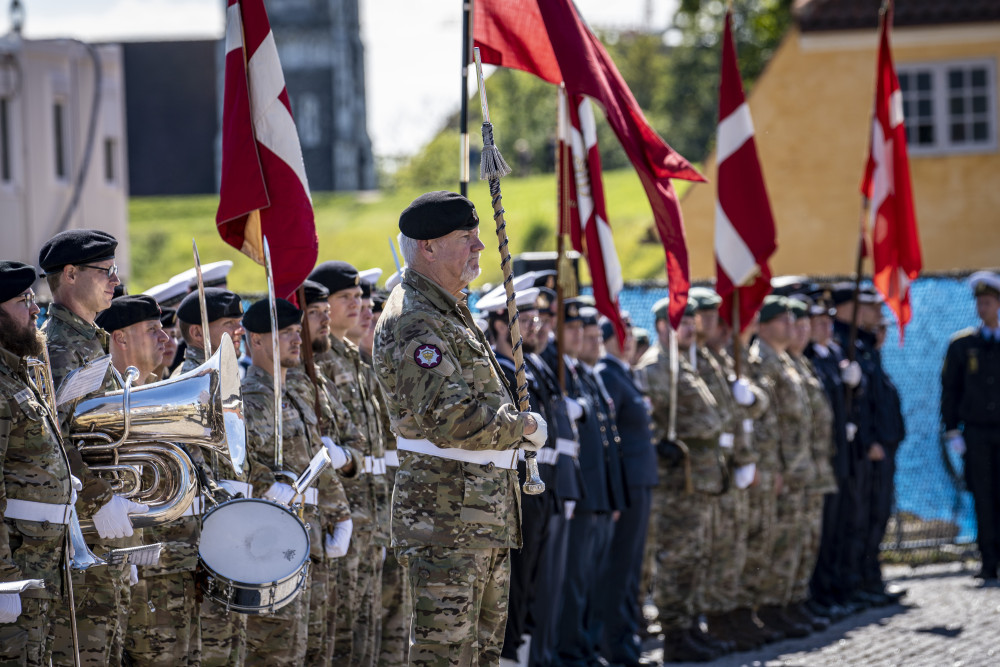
(332, 421)
(79, 265)
(359, 584)
(36, 491)
(735, 397)
(769, 359)
(821, 446)
(456, 505)
(682, 504)
(223, 633)
(282, 637)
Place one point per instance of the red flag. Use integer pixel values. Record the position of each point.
(263, 189)
(549, 40)
(744, 226)
(589, 230)
(895, 243)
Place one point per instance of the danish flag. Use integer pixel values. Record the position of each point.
(263, 188)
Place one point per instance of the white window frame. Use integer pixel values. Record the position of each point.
(941, 111)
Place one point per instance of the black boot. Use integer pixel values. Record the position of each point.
(797, 611)
(712, 643)
(723, 626)
(774, 616)
(679, 647)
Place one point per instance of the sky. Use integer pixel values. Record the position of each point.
(412, 47)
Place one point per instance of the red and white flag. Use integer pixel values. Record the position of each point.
(263, 188)
(589, 230)
(549, 39)
(744, 227)
(895, 243)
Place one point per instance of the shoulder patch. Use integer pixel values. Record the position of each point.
(428, 356)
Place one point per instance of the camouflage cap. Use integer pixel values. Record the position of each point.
(774, 305)
(436, 214)
(128, 310)
(257, 319)
(15, 277)
(76, 246)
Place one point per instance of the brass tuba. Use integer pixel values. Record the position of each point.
(130, 437)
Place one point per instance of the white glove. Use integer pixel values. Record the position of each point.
(536, 440)
(852, 430)
(336, 545)
(75, 486)
(956, 442)
(742, 393)
(568, 507)
(574, 408)
(112, 520)
(10, 607)
(281, 493)
(743, 476)
(850, 373)
(133, 575)
(338, 457)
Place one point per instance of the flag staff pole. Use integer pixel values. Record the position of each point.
(737, 330)
(562, 206)
(463, 117)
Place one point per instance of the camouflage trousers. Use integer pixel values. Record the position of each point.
(396, 608)
(102, 596)
(761, 508)
(28, 640)
(357, 616)
(682, 538)
(789, 534)
(322, 582)
(164, 627)
(459, 604)
(727, 554)
(280, 638)
(223, 636)
(812, 518)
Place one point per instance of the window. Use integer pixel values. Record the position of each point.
(950, 107)
(5, 170)
(109, 160)
(59, 139)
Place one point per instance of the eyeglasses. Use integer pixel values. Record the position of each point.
(28, 300)
(109, 270)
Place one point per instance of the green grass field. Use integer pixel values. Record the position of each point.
(355, 228)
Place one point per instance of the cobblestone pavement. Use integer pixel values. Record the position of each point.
(946, 619)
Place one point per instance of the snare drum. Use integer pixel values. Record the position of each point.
(256, 555)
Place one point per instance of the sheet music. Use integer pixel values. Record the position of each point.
(84, 380)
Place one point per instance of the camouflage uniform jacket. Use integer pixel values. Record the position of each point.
(348, 382)
(443, 384)
(34, 467)
(72, 342)
(791, 411)
(746, 450)
(300, 441)
(717, 378)
(822, 427)
(699, 421)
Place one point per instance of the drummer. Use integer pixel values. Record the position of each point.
(282, 638)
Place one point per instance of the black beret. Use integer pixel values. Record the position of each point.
(218, 302)
(378, 300)
(315, 292)
(546, 301)
(437, 214)
(335, 276)
(128, 310)
(76, 246)
(15, 277)
(257, 319)
(366, 289)
(168, 317)
(774, 305)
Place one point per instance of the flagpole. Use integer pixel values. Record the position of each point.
(463, 117)
(562, 207)
(737, 321)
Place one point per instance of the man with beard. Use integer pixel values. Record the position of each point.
(455, 509)
(35, 478)
(79, 266)
(359, 586)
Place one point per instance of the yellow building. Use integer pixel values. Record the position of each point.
(811, 110)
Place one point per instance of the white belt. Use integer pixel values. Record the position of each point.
(726, 440)
(568, 447)
(748, 426)
(485, 457)
(375, 465)
(392, 458)
(30, 510)
(311, 496)
(235, 486)
(547, 455)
